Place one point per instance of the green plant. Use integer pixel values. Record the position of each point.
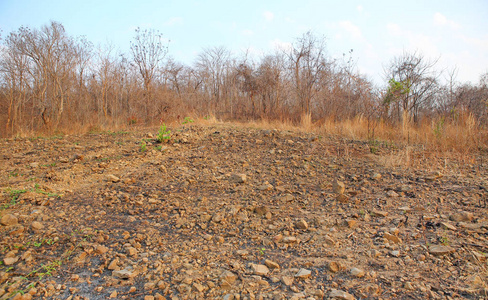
(373, 146)
(262, 251)
(438, 127)
(163, 134)
(14, 195)
(444, 240)
(187, 120)
(159, 147)
(143, 146)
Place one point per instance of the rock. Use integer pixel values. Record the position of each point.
(9, 219)
(301, 224)
(334, 266)
(303, 273)
(440, 250)
(287, 198)
(392, 238)
(342, 198)
(395, 253)
(351, 223)
(265, 187)
(113, 294)
(260, 270)
(376, 176)
(112, 178)
(37, 226)
(228, 297)
(289, 239)
(261, 210)
(338, 294)
(228, 276)
(10, 260)
(448, 226)
(100, 249)
(392, 194)
(338, 187)
(357, 272)
(379, 213)
(238, 178)
(126, 273)
(113, 264)
(463, 216)
(287, 280)
(271, 264)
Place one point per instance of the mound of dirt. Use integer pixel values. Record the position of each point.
(227, 212)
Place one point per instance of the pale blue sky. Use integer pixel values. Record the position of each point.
(455, 31)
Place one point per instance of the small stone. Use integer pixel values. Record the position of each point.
(287, 198)
(37, 226)
(342, 198)
(379, 213)
(351, 223)
(338, 187)
(301, 224)
(408, 286)
(376, 176)
(448, 226)
(392, 238)
(9, 219)
(338, 294)
(440, 250)
(238, 178)
(287, 280)
(463, 216)
(228, 297)
(10, 260)
(113, 294)
(198, 287)
(334, 267)
(148, 297)
(112, 178)
(123, 274)
(229, 277)
(261, 210)
(113, 264)
(289, 239)
(100, 249)
(392, 194)
(261, 270)
(303, 273)
(395, 253)
(271, 264)
(357, 272)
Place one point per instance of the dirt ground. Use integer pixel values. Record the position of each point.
(231, 212)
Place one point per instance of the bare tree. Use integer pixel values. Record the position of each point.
(148, 52)
(307, 59)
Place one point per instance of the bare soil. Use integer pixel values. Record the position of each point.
(228, 212)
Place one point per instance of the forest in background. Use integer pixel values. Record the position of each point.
(54, 83)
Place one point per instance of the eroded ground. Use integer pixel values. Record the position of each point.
(226, 212)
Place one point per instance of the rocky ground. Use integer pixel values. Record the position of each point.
(227, 212)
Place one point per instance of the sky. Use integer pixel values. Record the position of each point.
(453, 32)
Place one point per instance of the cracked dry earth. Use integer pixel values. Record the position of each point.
(228, 212)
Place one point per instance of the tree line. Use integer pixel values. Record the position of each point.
(51, 81)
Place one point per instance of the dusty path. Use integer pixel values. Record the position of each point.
(225, 212)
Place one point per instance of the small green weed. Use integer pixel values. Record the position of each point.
(164, 134)
(14, 195)
(143, 146)
(187, 120)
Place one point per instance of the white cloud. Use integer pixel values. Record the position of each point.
(174, 21)
(441, 20)
(394, 29)
(360, 8)
(352, 29)
(268, 16)
(247, 32)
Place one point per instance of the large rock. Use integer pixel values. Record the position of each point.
(440, 250)
(338, 187)
(9, 219)
(338, 294)
(463, 216)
